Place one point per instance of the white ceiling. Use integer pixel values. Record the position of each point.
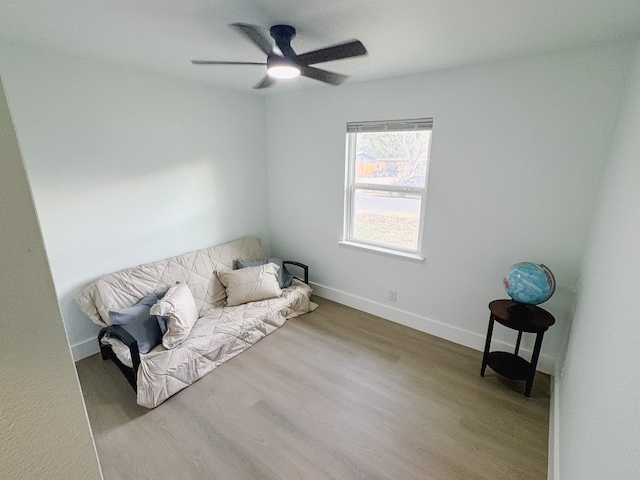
(402, 36)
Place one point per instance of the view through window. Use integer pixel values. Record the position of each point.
(387, 165)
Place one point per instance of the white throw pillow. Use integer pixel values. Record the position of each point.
(178, 304)
(251, 284)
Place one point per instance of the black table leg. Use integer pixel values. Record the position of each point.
(534, 362)
(518, 342)
(487, 345)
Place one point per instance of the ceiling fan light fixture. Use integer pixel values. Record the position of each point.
(283, 70)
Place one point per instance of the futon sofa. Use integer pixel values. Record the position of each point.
(170, 322)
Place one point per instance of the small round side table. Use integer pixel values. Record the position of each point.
(532, 320)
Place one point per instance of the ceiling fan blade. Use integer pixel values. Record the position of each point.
(215, 62)
(267, 81)
(322, 75)
(253, 33)
(352, 48)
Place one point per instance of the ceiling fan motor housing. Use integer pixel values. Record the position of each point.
(283, 34)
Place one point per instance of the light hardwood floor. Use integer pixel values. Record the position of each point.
(334, 394)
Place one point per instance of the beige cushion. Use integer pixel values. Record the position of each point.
(178, 304)
(251, 284)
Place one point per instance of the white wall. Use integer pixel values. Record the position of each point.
(517, 156)
(128, 166)
(599, 391)
(44, 429)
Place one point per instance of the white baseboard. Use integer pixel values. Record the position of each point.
(553, 466)
(546, 364)
(84, 349)
(457, 335)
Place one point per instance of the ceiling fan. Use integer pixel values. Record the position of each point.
(283, 62)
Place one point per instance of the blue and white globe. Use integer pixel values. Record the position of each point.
(529, 283)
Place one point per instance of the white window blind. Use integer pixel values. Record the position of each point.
(390, 126)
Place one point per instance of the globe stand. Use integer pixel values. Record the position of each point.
(520, 310)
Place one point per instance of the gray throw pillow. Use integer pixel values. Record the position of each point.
(137, 320)
(284, 276)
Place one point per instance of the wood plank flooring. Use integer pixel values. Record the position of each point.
(334, 394)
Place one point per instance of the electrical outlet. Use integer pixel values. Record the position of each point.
(393, 295)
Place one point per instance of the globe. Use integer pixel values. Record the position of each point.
(529, 283)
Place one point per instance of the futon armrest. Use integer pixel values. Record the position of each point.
(301, 265)
(116, 331)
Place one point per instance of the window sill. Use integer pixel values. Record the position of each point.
(381, 250)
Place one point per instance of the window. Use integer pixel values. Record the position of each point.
(386, 181)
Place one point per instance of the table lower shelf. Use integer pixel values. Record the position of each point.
(509, 365)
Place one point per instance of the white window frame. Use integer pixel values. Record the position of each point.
(351, 186)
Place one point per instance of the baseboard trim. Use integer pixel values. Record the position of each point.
(553, 466)
(453, 334)
(546, 364)
(84, 349)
